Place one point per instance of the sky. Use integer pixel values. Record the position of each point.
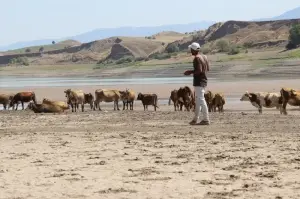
(25, 20)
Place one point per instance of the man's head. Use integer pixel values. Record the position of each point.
(195, 48)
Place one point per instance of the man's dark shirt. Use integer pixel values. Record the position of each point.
(199, 79)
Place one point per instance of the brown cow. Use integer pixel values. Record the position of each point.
(74, 98)
(128, 97)
(5, 100)
(89, 99)
(44, 108)
(106, 95)
(22, 97)
(63, 105)
(209, 97)
(289, 96)
(185, 97)
(148, 99)
(174, 99)
(218, 102)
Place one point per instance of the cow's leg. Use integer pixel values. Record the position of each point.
(154, 107)
(123, 105)
(22, 105)
(99, 107)
(260, 109)
(82, 107)
(283, 109)
(72, 107)
(17, 106)
(131, 105)
(127, 105)
(144, 107)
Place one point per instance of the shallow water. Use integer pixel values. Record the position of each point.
(21, 82)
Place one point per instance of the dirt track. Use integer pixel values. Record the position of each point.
(149, 155)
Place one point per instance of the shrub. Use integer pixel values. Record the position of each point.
(172, 48)
(125, 60)
(28, 50)
(223, 46)
(248, 44)
(140, 59)
(290, 46)
(19, 61)
(206, 50)
(294, 37)
(234, 50)
(160, 56)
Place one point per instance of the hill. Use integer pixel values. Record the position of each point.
(253, 34)
(103, 33)
(244, 33)
(291, 14)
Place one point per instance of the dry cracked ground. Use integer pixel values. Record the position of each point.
(137, 154)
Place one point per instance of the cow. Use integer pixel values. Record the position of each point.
(45, 108)
(209, 96)
(263, 99)
(22, 97)
(63, 105)
(5, 100)
(174, 99)
(74, 98)
(128, 97)
(148, 99)
(185, 97)
(218, 102)
(289, 96)
(89, 99)
(106, 95)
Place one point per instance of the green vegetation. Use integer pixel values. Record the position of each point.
(19, 61)
(294, 54)
(234, 50)
(223, 46)
(294, 38)
(172, 48)
(125, 60)
(160, 56)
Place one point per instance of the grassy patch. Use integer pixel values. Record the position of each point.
(294, 54)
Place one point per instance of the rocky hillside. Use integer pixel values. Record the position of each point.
(254, 34)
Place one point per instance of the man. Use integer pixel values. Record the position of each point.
(201, 67)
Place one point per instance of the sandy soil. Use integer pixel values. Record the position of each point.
(137, 154)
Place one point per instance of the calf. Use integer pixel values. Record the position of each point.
(22, 97)
(209, 97)
(5, 100)
(174, 99)
(74, 98)
(148, 99)
(89, 99)
(218, 102)
(289, 96)
(185, 98)
(128, 97)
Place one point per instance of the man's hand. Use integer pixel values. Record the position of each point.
(188, 72)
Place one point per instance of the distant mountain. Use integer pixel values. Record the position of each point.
(121, 31)
(291, 14)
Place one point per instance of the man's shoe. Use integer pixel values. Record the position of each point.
(203, 122)
(193, 122)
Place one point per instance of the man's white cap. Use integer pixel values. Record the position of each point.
(195, 46)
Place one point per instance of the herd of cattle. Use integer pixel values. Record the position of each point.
(183, 97)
